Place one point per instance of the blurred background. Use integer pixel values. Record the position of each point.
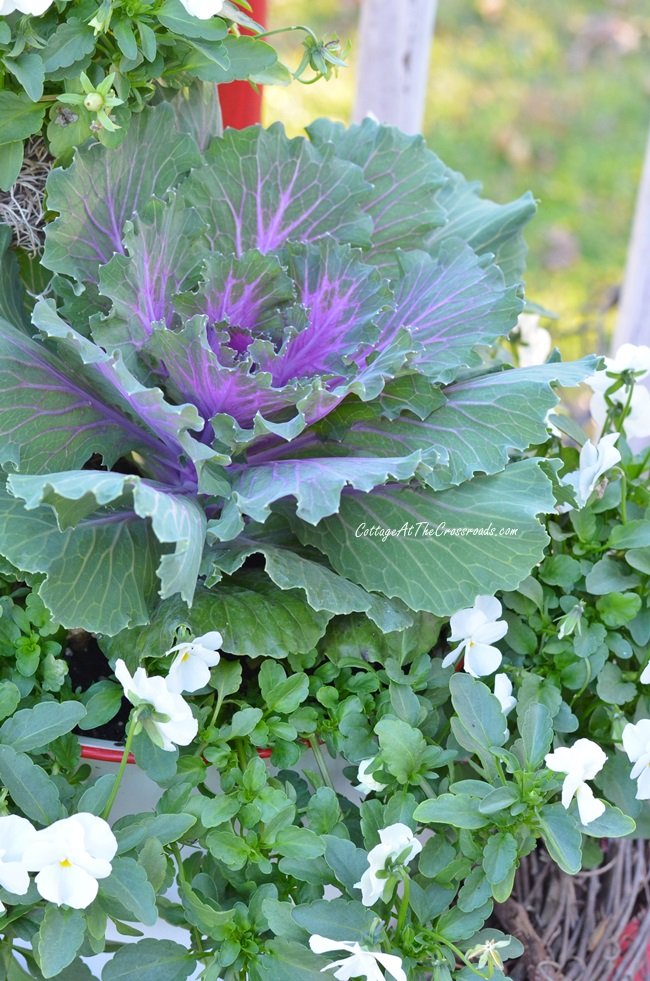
(552, 97)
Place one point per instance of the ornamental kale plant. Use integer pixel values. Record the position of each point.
(258, 393)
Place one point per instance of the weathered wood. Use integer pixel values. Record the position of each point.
(633, 324)
(394, 47)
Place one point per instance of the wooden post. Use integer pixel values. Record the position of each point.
(394, 48)
(633, 324)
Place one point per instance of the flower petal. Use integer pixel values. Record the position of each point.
(482, 659)
(67, 886)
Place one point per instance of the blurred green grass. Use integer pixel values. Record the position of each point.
(553, 97)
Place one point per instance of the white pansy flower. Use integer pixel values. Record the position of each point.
(477, 628)
(190, 670)
(594, 462)
(33, 7)
(171, 723)
(203, 9)
(359, 963)
(367, 783)
(580, 762)
(16, 838)
(636, 743)
(397, 846)
(503, 691)
(535, 341)
(70, 857)
(645, 675)
(630, 357)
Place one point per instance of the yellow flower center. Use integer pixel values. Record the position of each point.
(186, 656)
(65, 863)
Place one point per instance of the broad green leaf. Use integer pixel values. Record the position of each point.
(402, 749)
(536, 728)
(232, 59)
(347, 862)
(102, 704)
(298, 843)
(113, 184)
(611, 688)
(609, 575)
(10, 698)
(133, 830)
(29, 70)
(127, 893)
(562, 837)
(150, 960)
(281, 693)
(499, 857)
(59, 938)
(440, 572)
(95, 798)
(479, 712)
(36, 727)
(11, 162)
(456, 925)
(71, 42)
(634, 534)
(29, 786)
(202, 915)
(285, 960)
(612, 824)
(20, 117)
(176, 19)
(331, 918)
(12, 295)
(456, 810)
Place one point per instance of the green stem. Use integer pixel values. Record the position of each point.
(285, 30)
(623, 496)
(626, 409)
(427, 788)
(320, 761)
(130, 733)
(404, 905)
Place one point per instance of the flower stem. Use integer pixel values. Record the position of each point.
(404, 905)
(320, 761)
(130, 733)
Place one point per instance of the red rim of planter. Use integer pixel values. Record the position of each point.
(103, 754)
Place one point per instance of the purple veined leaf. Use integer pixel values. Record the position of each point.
(103, 188)
(450, 305)
(490, 228)
(197, 111)
(343, 300)
(87, 499)
(12, 295)
(249, 293)
(259, 190)
(164, 252)
(405, 177)
(161, 432)
(316, 484)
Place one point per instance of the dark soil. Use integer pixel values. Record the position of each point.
(88, 664)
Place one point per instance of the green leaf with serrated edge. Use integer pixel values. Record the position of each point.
(20, 117)
(402, 749)
(456, 810)
(71, 42)
(476, 427)
(29, 786)
(112, 184)
(36, 727)
(392, 542)
(150, 960)
(254, 617)
(127, 893)
(133, 830)
(59, 938)
(561, 835)
(324, 589)
(325, 197)
(117, 590)
(404, 175)
(488, 227)
(28, 69)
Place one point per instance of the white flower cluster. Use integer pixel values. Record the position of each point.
(69, 857)
(170, 722)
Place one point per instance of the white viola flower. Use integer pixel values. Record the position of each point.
(488, 954)
(477, 628)
(33, 7)
(535, 341)
(359, 963)
(580, 762)
(636, 743)
(503, 691)
(367, 783)
(594, 462)
(171, 723)
(203, 9)
(630, 357)
(190, 670)
(644, 677)
(16, 838)
(397, 846)
(70, 857)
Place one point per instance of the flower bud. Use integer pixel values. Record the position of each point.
(94, 101)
